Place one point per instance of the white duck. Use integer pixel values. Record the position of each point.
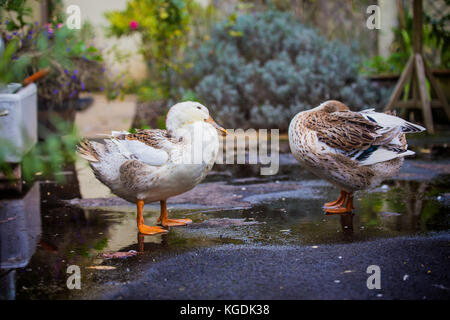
(154, 165)
(352, 150)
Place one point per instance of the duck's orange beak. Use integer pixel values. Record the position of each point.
(215, 125)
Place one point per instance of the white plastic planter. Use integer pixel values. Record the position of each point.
(19, 127)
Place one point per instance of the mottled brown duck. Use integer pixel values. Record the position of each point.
(352, 150)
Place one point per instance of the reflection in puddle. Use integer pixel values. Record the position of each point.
(78, 236)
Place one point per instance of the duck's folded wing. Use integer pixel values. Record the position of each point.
(388, 120)
(344, 131)
(368, 137)
(148, 146)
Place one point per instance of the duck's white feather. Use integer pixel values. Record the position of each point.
(387, 121)
(134, 149)
(383, 154)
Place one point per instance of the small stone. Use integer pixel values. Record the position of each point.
(405, 277)
(337, 281)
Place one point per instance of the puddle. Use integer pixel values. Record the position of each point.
(415, 202)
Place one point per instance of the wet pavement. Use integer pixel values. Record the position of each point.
(252, 237)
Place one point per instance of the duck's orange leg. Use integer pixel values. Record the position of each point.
(146, 230)
(338, 202)
(340, 208)
(166, 222)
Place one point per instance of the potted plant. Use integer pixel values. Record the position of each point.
(18, 108)
(70, 62)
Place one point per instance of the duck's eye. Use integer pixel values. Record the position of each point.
(199, 108)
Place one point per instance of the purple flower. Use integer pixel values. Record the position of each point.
(68, 49)
(101, 88)
(66, 71)
(74, 77)
(82, 86)
(75, 71)
(55, 91)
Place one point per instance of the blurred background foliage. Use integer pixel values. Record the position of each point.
(436, 44)
(258, 62)
(163, 27)
(260, 69)
(72, 61)
(47, 158)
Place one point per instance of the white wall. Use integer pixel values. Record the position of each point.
(389, 20)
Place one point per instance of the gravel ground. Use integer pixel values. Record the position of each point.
(411, 268)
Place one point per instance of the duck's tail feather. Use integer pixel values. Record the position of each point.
(409, 127)
(86, 151)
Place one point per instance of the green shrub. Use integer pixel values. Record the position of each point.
(163, 26)
(260, 69)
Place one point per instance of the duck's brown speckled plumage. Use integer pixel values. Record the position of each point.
(155, 138)
(326, 139)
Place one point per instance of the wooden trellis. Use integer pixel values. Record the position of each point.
(416, 72)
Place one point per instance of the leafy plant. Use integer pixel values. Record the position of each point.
(11, 68)
(47, 157)
(64, 51)
(164, 28)
(21, 11)
(260, 69)
(435, 41)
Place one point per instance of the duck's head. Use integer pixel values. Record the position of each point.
(189, 112)
(331, 106)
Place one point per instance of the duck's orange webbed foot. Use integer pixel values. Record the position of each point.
(174, 222)
(148, 230)
(340, 208)
(166, 222)
(339, 202)
(144, 229)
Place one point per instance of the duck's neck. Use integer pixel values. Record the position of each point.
(201, 143)
(197, 131)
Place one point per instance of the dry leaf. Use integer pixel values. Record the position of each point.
(102, 267)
